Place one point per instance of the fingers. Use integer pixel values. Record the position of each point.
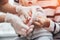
(44, 22)
(30, 30)
(41, 21)
(25, 32)
(32, 26)
(37, 23)
(27, 20)
(22, 32)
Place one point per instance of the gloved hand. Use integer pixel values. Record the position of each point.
(21, 10)
(18, 25)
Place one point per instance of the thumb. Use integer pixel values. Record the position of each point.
(31, 29)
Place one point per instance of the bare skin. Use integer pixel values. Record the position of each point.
(6, 7)
(2, 18)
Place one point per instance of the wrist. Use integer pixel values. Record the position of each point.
(46, 24)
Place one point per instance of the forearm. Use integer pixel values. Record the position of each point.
(8, 8)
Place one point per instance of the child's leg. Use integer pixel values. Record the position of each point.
(21, 38)
(42, 34)
(44, 38)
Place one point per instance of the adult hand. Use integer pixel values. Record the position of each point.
(18, 25)
(24, 32)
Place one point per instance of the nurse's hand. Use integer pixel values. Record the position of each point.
(24, 32)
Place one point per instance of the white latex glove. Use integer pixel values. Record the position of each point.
(21, 10)
(18, 25)
(15, 20)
